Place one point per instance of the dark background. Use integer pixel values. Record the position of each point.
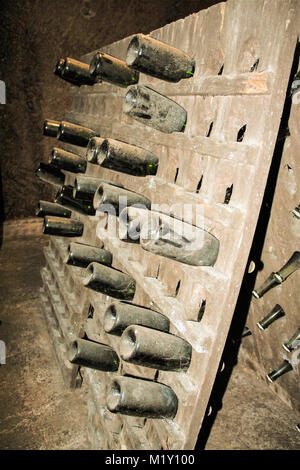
(34, 34)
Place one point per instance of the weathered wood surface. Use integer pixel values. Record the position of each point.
(228, 141)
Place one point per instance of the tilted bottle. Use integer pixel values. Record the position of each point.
(276, 313)
(152, 348)
(118, 198)
(130, 159)
(74, 71)
(174, 239)
(277, 278)
(293, 342)
(142, 398)
(50, 208)
(75, 134)
(119, 315)
(50, 128)
(154, 110)
(284, 367)
(104, 67)
(65, 197)
(82, 255)
(62, 227)
(50, 174)
(93, 355)
(109, 281)
(68, 161)
(86, 186)
(158, 59)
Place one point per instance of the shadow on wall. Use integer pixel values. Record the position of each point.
(230, 354)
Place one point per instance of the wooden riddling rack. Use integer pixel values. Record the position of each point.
(263, 349)
(221, 161)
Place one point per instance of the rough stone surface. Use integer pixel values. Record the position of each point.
(34, 35)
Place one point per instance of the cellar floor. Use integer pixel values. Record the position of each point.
(37, 412)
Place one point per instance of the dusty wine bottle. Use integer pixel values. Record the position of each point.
(110, 69)
(50, 208)
(50, 128)
(276, 313)
(74, 71)
(68, 161)
(293, 342)
(178, 240)
(62, 227)
(65, 198)
(93, 148)
(143, 398)
(155, 110)
(86, 186)
(50, 174)
(119, 315)
(109, 281)
(93, 355)
(75, 134)
(130, 159)
(82, 255)
(118, 198)
(284, 367)
(152, 348)
(280, 276)
(158, 59)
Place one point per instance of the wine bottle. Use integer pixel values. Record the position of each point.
(93, 355)
(143, 398)
(152, 348)
(118, 198)
(62, 227)
(67, 161)
(110, 69)
(178, 240)
(50, 174)
(130, 159)
(119, 315)
(158, 59)
(109, 281)
(276, 313)
(280, 276)
(50, 208)
(65, 198)
(93, 148)
(284, 367)
(86, 186)
(82, 255)
(74, 71)
(155, 110)
(293, 342)
(75, 134)
(50, 128)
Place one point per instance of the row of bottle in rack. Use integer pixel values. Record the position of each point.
(145, 337)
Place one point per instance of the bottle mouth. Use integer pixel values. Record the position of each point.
(60, 66)
(94, 64)
(69, 255)
(110, 318)
(114, 396)
(91, 151)
(38, 211)
(89, 274)
(128, 344)
(99, 196)
(102, 152)
(130, 99)
(45, 225)
(73, 351)
(133, 51)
